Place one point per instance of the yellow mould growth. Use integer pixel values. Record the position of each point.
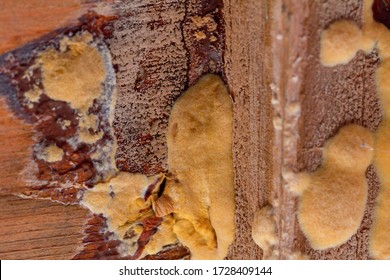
(77, 68)
(197, 205)
(122, 202)
(374, 32)
(380, 232)
(52, 153)
(340, 42)
(33, 96)
(332, 204)
(163, 236)
(264, 231)
(75, 74)
(201, 184)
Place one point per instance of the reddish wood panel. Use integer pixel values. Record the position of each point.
(24, 20)
(39, 229)
(16, 152)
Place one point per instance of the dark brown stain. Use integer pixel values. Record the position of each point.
(381, 11)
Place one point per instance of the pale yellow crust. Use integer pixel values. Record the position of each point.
(332, 204)
(380, 232)
(32, 96)
(264, 231)
(52, 153)
(164, 236)
(75, 73)
(340, 42)
(200, 161)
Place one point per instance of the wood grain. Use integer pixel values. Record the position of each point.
(286, 105)
(22, 21)
(16, 153)
(39, 229)
(247, 70)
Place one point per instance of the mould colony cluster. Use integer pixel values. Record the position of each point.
(331, 206)
(200, 161)
(80, 74)
(68, 91)
(192, 204)
(196, 205)
(264, 231)
(332, 199)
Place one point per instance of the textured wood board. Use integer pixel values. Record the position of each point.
(247, 70)
(39, 229)
(17, 135)
(286, 106)
(157, 56)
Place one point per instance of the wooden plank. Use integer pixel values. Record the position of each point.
(286, 106)
(247, 71)
(17, 141)
(22, 21)
(49, 230)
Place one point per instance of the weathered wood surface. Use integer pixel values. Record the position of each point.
(248, 72)
(286, 105)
